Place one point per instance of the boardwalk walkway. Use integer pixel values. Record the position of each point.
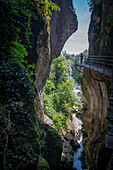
(105, 71)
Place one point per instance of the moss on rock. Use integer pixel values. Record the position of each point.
(52, 146)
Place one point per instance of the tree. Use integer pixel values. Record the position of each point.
(59, 93)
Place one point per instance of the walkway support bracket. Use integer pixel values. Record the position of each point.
(82, 70)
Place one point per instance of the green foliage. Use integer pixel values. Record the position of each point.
(46, 7)
(43, 165)
(74, 59)
(59, 94)
(20, 143)
(99, 38)
(16, 30)
(78, 78)
(79, 106)
(105, 36)
(53, 147)
(110, 19)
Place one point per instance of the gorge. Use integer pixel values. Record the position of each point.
(30, 45)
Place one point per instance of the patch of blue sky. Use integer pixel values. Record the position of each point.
(82, 11)
(78, 42)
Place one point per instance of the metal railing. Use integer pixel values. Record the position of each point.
(104, 62)
(100, 61)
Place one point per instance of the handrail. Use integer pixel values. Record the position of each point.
(98, 64)
(96, 56)
(100, 61)
(90, 71)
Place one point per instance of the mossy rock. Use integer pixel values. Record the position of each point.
(53, 147)
(97, 155)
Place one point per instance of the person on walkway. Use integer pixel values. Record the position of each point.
(81, 58)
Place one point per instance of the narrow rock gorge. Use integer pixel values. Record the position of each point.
(29, 42)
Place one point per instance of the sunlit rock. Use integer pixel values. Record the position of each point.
(63, 24)
(48, 121)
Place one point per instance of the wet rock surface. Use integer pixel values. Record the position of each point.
(70, 145)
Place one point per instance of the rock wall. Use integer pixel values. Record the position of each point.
(100, 31)
(94, 29)
(63, 24)
(96, 95)
(24, 140)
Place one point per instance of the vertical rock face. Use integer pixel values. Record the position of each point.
(106, 43)
(62, 25)
(94, 29)
(101, 32)
(96, 95)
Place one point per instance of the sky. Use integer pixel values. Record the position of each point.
(78, 42)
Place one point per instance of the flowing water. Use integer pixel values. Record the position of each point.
(79, 156)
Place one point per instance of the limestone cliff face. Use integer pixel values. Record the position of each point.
(100, 37)
(94, 29)
(96, 95)
(62, 25)
(101, 32)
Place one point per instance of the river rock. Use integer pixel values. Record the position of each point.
(70, 144)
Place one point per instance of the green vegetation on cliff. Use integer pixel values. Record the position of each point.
(59, 94)
(20, 129)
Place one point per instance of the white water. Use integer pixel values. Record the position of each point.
(78, 126)
(76, 123)
(77, 162)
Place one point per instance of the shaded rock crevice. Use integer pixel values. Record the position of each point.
(100, 31)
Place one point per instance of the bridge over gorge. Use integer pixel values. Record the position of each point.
(103, 67)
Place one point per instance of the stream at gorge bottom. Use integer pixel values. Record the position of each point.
(79, 154)
(79, 157)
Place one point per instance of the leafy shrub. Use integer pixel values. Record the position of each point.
(59, 94)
